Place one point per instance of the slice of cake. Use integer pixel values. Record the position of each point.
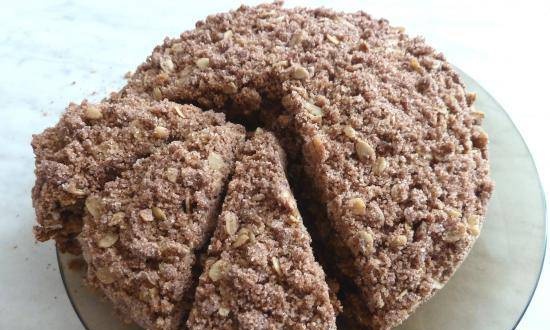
(142, 232)
(91, 145)
(260, 272)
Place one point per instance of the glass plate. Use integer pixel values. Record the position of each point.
(492, 288)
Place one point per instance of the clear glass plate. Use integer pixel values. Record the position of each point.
(494, 285)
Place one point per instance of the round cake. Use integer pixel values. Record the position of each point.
(386, 154)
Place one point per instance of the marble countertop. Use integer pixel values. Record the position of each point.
(57, 51)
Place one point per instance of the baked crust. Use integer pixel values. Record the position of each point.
(260, 272)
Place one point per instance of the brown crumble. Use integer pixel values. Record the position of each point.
(354, 83)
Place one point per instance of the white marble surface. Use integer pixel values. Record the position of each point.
(54, 52)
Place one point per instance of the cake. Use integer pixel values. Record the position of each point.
(385, 146)
(391, 141)
(144, 231)
(260, 272)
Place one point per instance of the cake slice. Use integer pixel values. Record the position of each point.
(260, 272)
(91, 145)
(142, 233)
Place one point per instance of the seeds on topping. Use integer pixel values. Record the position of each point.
(108, 240)
(473, 225)
(146, 215)
(300, 73)
(242, 237)
(162, 78)
(398, 241)
(71, 189)
(157, 94)
(94, 206)
(158, 213)
(147, 294)
(358, 206)
(286, 199)
(366, 242)
(104, 275)
(117, 218)
(380, 165)
(477, 114)
(267, 13)
(280, 63)
(474, 230)
(333, 39)
(364, 150)
(215, 161)
(241, 240)
(179, 112)
(297, 38)
(217, 270)
(172, 174)
(176, 48)
(92, 112)
(202, 63)
(276, 265)
(293, 220)
(231, 223)
(223, 311)
(187, 204)
(415, 65)
(455, 234)
(471, 97)
(349, 131)
(228, 34)
(454, 213)
(251, 237)
(161, 132)
(313, 109)
(437, 285)
(473, 220)
(318, 144)
(230, 88)
(402, 294)
(166, 64)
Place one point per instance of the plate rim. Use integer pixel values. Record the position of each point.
(541, 192)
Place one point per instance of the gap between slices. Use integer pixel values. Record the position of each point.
(260, 272)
